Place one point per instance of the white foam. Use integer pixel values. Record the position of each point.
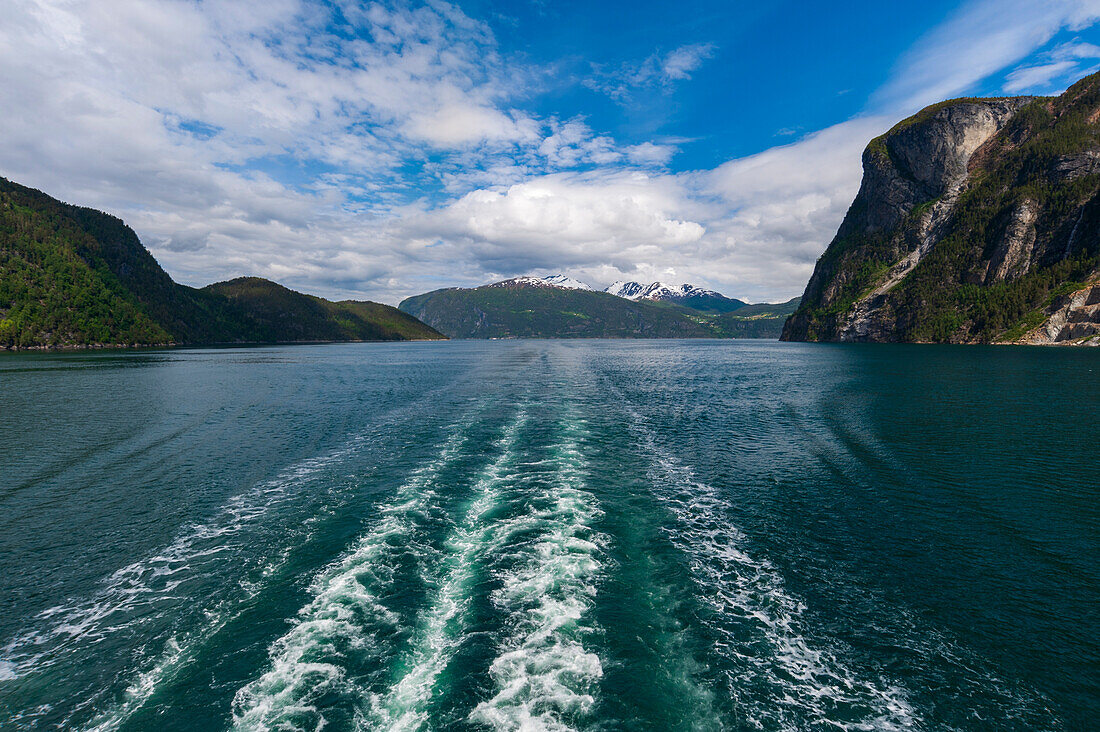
(141, 585)
(345, 611)
(179, 653)
(440, 628)
(758, 621)
(125, 597)
(7, 671)
(544, 675)
(144, 582)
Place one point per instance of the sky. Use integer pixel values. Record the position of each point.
(380, 150)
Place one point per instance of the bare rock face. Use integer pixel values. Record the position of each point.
(1068, 168)
(969, 214)
(923, 159)
(1071, 319)
(1012, 257)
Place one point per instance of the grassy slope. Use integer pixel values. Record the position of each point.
(757, 321)
(281, 314)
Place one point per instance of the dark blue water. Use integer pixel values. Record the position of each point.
(526, 535)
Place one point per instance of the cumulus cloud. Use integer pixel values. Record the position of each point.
(572, 217)
(248, 137)
(379, 150)
(752, 227)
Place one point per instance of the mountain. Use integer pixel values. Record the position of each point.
(756, 321)
(978, 220)
(72, 276)
(690, 296)
(558, 280)
(532, 308)
(569, 283)
(281, 314)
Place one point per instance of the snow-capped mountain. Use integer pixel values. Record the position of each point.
(629, 290)
(560, 280)
(697, 298)
(561, 307)
(689, 296)
(655, 291)
(555, 280)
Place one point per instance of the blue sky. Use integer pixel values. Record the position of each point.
(765, 71)
(377, 150)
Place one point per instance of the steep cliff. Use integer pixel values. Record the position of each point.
(975, 220)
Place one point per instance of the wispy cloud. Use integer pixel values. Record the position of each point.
(1064, 63)
(979, 40)
(659, 70)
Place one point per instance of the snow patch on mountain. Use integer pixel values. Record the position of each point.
(555, 280)
(659, 291)
(560, 280)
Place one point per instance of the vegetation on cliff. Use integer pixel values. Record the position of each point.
(982, 256)
(281, 314)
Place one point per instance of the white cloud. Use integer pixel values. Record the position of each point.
(781, 206)
(562, 220)
(99, 99)
(250, 138)
(683, 61)
(649, 153)
(1062, 63)
(1030, 78)
(753, 227)
(458, 124)
(980, 39)
(657, 70)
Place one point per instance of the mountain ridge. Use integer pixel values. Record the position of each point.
(687, 295)
(528, 307)
(691, 296)
(75, 277)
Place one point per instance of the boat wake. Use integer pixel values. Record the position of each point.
(525, 528)
(139, 594)
(545, 677)
(778, 677)
(348, 617)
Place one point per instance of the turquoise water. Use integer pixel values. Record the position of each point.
(598, 535)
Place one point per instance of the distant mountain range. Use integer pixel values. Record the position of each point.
(690, 296)
(77, 277)
(558, 306)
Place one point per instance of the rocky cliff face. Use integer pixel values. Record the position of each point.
(1070, 319)
(973, 217)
